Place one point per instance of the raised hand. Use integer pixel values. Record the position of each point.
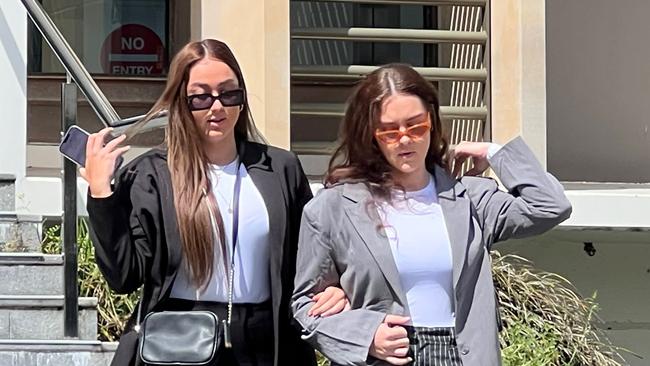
(476, 151)
(100, 162)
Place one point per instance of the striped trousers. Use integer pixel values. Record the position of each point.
(433, 346)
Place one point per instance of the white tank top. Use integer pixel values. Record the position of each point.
(419, 241)
(252, 282)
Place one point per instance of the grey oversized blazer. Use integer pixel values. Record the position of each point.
(340, 244)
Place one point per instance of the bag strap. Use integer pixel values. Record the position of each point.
(235, 234)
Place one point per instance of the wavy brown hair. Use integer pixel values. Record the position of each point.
(358, 157)
(187, 161)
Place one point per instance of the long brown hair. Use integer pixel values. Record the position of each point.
(358, 157)
(187, 161)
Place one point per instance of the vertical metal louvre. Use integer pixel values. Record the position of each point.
(308, 15)
(325, 44)
(466, 93)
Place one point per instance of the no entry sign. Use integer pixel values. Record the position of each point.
(133, 49)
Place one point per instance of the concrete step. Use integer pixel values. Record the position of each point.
(56, 353)
(7, 192)
(20, 233)
(41, 317)
(31, 274)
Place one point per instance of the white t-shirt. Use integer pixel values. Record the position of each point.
(252, 281)
(416, 229)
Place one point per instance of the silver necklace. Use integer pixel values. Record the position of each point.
(229, 202)
(218, 174)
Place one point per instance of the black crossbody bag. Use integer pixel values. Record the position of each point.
(189, 338)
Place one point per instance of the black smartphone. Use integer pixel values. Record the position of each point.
(73, 146)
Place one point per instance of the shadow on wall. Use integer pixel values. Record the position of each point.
(12, 50)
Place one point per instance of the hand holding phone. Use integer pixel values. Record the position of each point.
(98, 158)
(73, 145)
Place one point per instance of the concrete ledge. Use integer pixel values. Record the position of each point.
(608, 205)
(21, 217)
(45, 196)
(56, 345)
(34, 321)
(8, 216)
(30, 259)
(49, 353)
(20, 233)
(31, 275)
(43, 301)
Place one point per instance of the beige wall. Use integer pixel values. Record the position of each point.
(517, 78)
(258, 33)
(598, 59)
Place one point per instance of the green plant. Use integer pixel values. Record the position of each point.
(545, 319)
(524, 345)
(113, 309)
(322, 361)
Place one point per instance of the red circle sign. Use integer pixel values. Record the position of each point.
(133, 49)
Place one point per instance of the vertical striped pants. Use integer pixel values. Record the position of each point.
(433, 346)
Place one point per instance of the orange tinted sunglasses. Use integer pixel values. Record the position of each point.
(414, 132)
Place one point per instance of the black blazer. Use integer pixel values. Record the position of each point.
(136, 238)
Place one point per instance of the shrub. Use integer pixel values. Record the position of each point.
(113, 309)
(545, 321)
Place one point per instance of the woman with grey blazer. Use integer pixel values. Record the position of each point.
(406, 241)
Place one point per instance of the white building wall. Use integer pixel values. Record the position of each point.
(597, 89)
(13, 91)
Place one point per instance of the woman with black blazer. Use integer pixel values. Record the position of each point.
(167, 222)
(409, 243)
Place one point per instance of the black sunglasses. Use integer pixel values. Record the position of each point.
(228, 98)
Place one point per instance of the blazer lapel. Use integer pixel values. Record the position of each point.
(371, 233)
(456, 211)
(170, 223)
(267, 182)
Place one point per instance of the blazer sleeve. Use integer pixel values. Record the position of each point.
(344, 338)
(300, 193)
(303, 190)
(535, 201)
(121, 229)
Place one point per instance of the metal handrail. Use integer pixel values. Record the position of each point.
(355, 72)
(390, 35)
(108, 116)
(71, 63)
